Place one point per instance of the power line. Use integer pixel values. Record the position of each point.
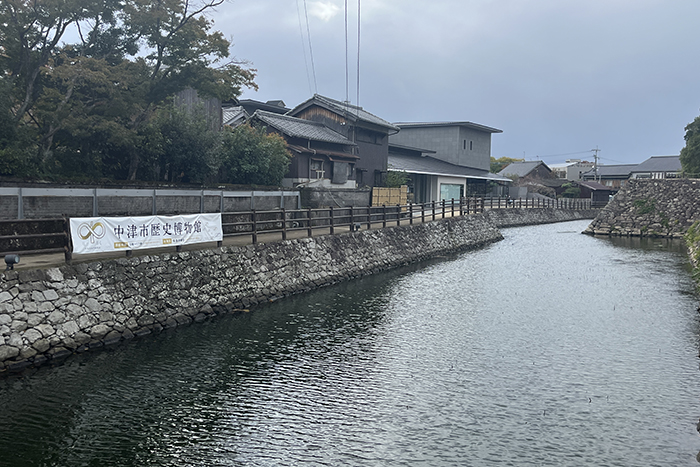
(303, 48)
(347, 80)
(311, 50)
(358, 54)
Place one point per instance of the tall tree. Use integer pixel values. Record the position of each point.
(99, 94)
(690, 154)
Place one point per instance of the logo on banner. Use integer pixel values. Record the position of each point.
(91, 231)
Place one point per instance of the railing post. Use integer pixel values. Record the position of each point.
(384, 215)
(422, 213)
(309, 229)
(453, 207)
(433, 210)
(410, 213)
(255, 226)
(331, 215)
(352, 218)
(443, 208)
(398, 214)
(369, 217)
(68, 252)
(284, 224)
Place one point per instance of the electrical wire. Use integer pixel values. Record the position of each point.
(347, 80)
(303, 48)
(358, 55)
(311, 50)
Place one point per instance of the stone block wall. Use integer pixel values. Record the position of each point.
(47, 314)
(654, 208)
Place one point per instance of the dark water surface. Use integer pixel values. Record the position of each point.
(548, 348)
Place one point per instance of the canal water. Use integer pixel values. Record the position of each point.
(548, 348)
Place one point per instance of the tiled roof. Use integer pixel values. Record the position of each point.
(612, 171)
(431, 166)
(473, 125)
(233, 116)
(660, 164)
(350, 111)
(300, 128)
(521, 169)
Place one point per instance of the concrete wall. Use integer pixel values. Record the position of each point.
(313, 197)
(49, 314)
(653, 208)
(47, 203)
(448, 142)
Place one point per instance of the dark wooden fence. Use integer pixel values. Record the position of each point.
(34, 236)
(52, 235)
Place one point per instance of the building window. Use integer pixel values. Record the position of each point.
(316, 169)
(464, 146)
(471, 145)
(451, 191)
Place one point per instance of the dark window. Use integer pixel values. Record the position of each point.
(465, 144)
(471, 143)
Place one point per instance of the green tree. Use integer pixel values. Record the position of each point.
(501, 163)
(571, 190)
(95, 99)
(690, 154)
(250, 156)
(396, 178)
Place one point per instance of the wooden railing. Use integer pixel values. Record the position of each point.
(52, 235)
(332, 220)
(33, 236)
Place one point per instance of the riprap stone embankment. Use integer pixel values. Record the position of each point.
(47, 314)
(650, 208)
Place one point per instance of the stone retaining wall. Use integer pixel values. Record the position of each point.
(515, 217)
(653, 208)
(49, 314)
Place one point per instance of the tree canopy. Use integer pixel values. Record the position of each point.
(102, 104)
(690, 154)
(501, 163)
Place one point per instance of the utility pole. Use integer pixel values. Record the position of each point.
(595, 163)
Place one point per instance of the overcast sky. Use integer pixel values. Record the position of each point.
(557, 76)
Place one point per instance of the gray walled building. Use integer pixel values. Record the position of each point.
(465, 144)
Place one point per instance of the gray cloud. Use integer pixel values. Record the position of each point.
(556, 76)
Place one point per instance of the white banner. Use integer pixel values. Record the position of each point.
(104, 234)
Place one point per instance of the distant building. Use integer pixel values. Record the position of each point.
(527, 171)
(658, 167)
(322, 157)
(432, 179)
(572, 169)
(369, 133)
(462, 145)
(612, 176)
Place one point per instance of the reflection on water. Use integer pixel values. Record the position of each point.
(548, 348)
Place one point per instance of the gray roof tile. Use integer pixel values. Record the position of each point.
(352, 112)
(300, 128)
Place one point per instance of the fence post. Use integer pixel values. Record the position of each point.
(398, 214)
(201, 202)
(308, 226)
(284, 224)
(221, 203)
(384, 216)
(331, 215)
(155, 207)
(94, 203)
(68, 248)
(352, 218)
(369, 217)
(422, 213)
(255, 226)
(410, 214)
(433, 210)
